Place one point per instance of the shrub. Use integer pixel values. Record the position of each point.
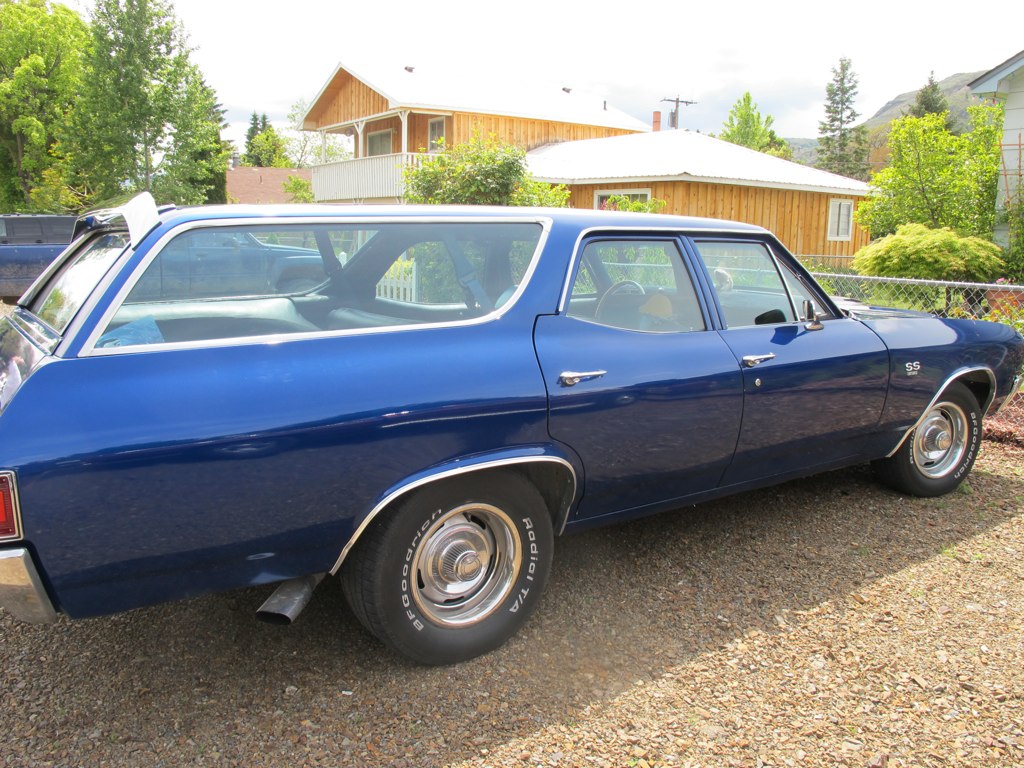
(915, 251)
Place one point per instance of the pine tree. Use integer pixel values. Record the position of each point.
(930, 100)
(842, 146)
(253, 154)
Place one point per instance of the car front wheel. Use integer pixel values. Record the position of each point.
(453, 570)
(938, 455)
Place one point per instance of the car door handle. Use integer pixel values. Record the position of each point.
(749, 361)
(572, 378)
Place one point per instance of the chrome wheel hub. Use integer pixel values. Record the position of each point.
(466, 564)
(941, 440)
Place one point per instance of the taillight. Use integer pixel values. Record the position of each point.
(10, 527)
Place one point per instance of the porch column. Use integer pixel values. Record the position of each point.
(360, 150)
(404, 115)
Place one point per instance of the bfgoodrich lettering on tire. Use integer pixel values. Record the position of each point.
(938, 455)
(453, 570)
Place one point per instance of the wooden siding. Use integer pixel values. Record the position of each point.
(799, 219)
(524, 132)
(344, 100)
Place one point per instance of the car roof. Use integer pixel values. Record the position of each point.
(582, 218)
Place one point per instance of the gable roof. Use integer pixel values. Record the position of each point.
(430, 87)
(989, 82)
(678, 155)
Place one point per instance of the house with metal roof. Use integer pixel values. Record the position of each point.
(395, 114)
(698, 175)
(1005, 83)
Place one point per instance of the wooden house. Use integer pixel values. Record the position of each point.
(810, 210)
(394, 114)
(1005, 83)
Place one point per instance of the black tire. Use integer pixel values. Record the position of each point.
(938, 455)
(455, 569)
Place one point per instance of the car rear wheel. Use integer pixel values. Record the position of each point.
(938, 455)
(453, 570)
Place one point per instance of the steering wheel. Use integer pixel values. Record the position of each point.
(620, 288)
(624, 286)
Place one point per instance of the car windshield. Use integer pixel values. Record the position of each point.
(65, 293)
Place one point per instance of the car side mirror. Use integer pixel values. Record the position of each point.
(813, 324)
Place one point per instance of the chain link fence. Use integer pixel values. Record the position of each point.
(998, 302)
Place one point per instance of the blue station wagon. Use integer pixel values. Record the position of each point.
(417, 400)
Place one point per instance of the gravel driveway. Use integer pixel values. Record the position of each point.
(824, 622)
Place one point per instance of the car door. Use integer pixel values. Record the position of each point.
(812, 391)
(641, 389)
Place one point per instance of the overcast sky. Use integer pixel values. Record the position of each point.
(264, 55)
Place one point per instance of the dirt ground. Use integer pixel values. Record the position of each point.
(824, 622)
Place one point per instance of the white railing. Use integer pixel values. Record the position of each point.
(365, 178)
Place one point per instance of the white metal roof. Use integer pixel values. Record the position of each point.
(429, 88)
(678, 155)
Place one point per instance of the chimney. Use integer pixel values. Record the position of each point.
(656, 121)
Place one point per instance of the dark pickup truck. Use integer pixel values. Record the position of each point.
(28, 243)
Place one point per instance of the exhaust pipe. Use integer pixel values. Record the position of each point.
(288, 600)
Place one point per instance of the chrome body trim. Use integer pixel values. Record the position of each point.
(21, 590)
(668, 231)
(952, 377)
(12, 483)
(89, 347)
(444, 475)
(1018, 382)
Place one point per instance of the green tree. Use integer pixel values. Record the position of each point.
(41, 47)
(930, 100)
(306, 148)
(480, 172)
(144, 111)
(298, 189)
(194, 170)
(267, 150)
(842, 146)
(747, 128)
(257, 125)
(937, 178)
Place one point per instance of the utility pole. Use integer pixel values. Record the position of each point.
(673, 116)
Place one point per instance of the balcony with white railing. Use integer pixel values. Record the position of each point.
(364, 178)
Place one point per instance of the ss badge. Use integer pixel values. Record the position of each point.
(913, 368)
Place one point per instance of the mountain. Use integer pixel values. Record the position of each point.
(954, 88)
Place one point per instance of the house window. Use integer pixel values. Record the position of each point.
(840, 219)
(633, 195)
(435, 134)
(378, 143)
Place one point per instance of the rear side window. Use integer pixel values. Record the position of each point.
(240, 282)
(27, 230)
(64, 295)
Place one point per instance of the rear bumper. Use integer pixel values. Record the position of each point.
(21, 590)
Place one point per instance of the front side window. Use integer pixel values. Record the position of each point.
(66, 292)
(238, 282)
(378, 143)
(840, 220)
(637, 285)
(750, 289)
